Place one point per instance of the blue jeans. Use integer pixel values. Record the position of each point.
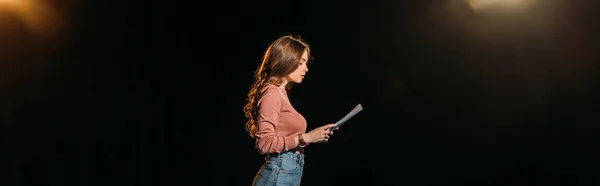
(281, 170)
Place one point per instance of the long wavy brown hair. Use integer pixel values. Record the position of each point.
(281, 58)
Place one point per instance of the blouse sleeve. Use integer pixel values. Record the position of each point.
(267, 141)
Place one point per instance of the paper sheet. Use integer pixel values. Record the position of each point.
(351, 114)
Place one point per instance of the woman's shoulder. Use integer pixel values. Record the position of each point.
(270, 93)
(270, 88)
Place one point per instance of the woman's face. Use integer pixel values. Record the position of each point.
(298, 75)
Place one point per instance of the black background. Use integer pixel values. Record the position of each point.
(151, 93)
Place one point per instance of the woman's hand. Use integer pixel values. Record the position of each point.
(320, 134)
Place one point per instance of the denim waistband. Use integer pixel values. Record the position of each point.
(288, 154)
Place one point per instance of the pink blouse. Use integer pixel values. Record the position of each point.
(278, 122)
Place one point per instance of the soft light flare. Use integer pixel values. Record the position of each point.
(38, 15)
(480, 5)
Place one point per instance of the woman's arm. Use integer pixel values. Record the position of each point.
(269, 108)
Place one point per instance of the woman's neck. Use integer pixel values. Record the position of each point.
(285, 82)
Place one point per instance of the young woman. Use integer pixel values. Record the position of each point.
(279, 130)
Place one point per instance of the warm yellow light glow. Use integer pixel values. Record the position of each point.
(9, 3)
(479, 5)
(37, 15)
